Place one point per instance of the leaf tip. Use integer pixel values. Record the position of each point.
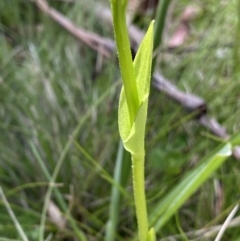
(226, 150)
(151, 235)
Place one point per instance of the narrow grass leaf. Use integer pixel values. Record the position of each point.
(103, 173)
(60, 161)
(176, 198)
(114, 209)
(7, 239)
(13, 217)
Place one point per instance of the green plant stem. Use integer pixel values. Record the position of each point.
(139, 197)
(159, 26)
(124, 56)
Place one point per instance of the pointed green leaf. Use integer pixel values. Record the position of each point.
(142, 64)
(151, 235)
(132, 134)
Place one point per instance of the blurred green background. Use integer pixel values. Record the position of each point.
(49, 90)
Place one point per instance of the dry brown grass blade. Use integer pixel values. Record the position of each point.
(56, 216)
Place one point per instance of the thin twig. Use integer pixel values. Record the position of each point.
(91, 39)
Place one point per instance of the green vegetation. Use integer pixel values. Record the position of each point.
(133, 105)
(59, 124)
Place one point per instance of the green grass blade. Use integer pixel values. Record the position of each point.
(159, 26)
(7, 239)
(56, 191)
(111, 227)
(193, 180)
(65, 150)
(103, 173)
(13, 217)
